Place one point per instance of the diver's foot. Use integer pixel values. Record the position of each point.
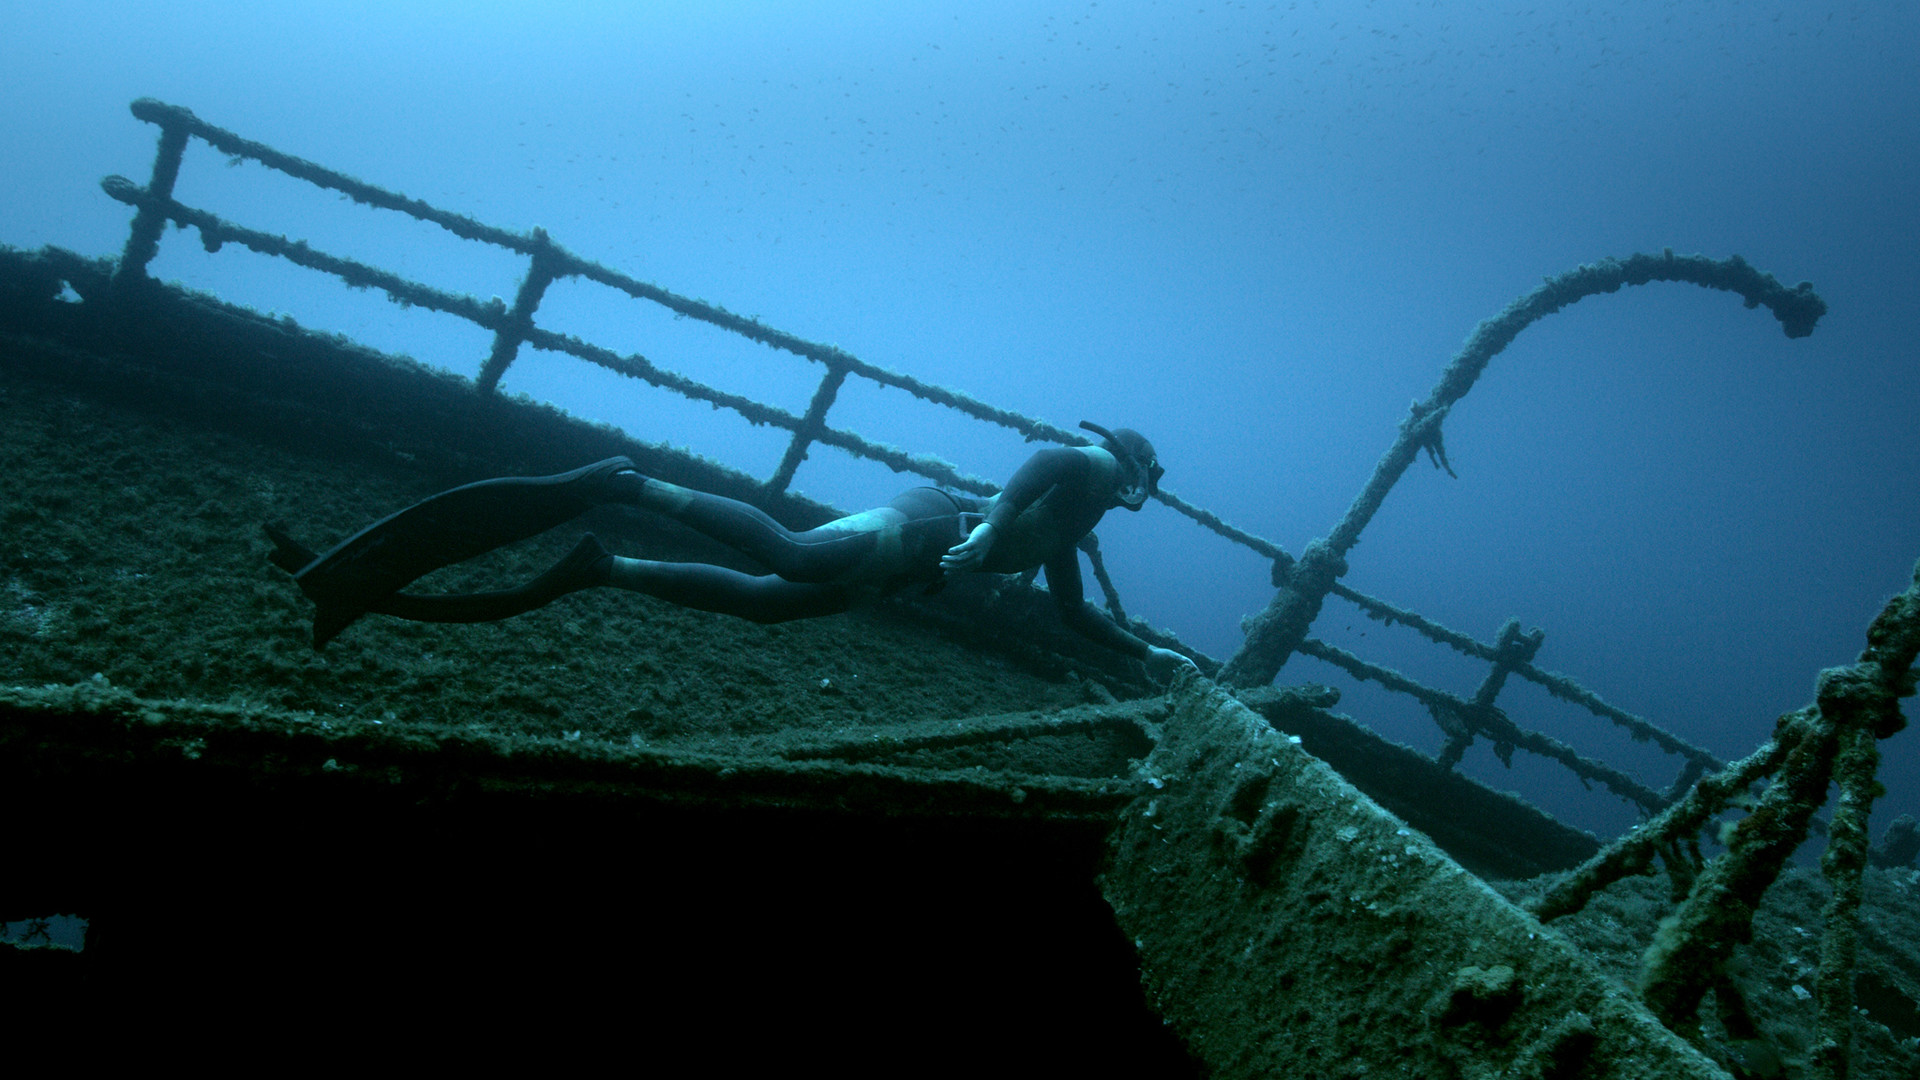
(587, 565)
(625, 486)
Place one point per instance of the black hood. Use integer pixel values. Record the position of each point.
(1138, 462)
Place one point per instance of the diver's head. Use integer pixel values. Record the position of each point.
(1140, 469)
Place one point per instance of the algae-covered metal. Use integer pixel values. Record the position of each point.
(1288, 926)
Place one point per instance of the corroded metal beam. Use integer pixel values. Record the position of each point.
(1287, 926)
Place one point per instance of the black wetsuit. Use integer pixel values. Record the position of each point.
(1049, 504)
(821, 571)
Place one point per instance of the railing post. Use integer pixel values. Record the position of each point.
(1090, 544)
(1514, 648)
(1276, 632)
(515, 324)
(811, 425)
(143, 239)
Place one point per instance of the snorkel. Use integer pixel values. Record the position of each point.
(1140, 469)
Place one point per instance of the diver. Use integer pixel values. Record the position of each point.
(923, 535)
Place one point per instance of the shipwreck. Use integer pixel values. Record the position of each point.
(941, 823)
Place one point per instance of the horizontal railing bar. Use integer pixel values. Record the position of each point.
(569, 264)
(1559, 686)
(1532, 741)
(832, 356)
(1566, 689)
(215, 232)
(639, 367)
(900, 461)
(1209, 520)
(176, 117)
(1390, 614)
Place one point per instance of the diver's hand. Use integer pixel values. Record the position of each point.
(971, 553)
(1162, 664)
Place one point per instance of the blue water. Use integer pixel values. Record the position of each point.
(1255, 231)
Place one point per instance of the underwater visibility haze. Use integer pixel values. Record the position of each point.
(1254, 231)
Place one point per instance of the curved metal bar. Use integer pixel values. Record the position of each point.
(1275, 633)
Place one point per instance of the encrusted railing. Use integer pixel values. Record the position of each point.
(1834, 741)
(1273, 634)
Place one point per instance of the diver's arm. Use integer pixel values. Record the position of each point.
(1063, 581)
(971, 553)
(1040, 474)
(1163, 664)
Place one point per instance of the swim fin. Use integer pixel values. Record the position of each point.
(288, 554)
(583, 567)
(374, 563)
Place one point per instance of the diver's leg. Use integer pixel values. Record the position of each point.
(829, 553)
(371, 565)
(717, 589)
(700, 586)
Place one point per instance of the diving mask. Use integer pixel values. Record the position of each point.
(1140, 469)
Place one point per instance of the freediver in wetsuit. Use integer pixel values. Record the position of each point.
(924, 534)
